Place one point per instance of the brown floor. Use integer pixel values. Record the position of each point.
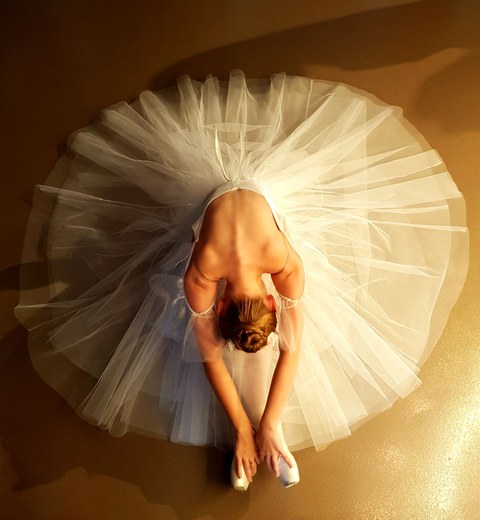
(63, 61)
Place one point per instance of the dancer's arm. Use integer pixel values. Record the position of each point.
(200, 293)
(289, 283)
(226, 392)
(289, 354)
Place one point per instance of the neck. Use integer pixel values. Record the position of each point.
(245, 288)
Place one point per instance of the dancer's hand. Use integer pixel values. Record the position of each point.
(246, 453)
(270, 448)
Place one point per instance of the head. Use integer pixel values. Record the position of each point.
(247, 322)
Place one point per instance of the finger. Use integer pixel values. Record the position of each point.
(276, 470)
(248, 471)
(272, 464)
(286, 458)
(254, 469)
(239, 467)
(268, 460)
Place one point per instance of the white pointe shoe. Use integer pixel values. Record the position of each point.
(289, 476)
(239, 484)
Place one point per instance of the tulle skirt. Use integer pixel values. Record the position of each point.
(375, 217)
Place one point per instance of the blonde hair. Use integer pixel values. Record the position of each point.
(248, 324)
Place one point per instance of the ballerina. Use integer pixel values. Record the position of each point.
(317, 210)
(239, 241)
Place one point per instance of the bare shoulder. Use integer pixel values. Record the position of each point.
(200, 291)
(290, 280)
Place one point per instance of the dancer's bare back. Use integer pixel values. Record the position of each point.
(238, 242)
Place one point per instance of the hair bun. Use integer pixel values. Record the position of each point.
(252, 340)
(248, 324)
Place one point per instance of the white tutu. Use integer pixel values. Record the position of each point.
(368, 205)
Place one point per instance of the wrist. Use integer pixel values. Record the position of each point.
(267, 423)
(243, 426)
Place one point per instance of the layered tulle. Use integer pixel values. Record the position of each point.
(375, 217)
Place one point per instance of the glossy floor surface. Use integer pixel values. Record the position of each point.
(61, 63)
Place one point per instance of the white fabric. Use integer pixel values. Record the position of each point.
(368, 205)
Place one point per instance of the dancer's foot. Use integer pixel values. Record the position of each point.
(289, 476)
(239, 484)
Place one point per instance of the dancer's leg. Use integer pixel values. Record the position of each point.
(251, 374)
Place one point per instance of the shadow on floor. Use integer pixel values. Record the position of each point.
(366, 41)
